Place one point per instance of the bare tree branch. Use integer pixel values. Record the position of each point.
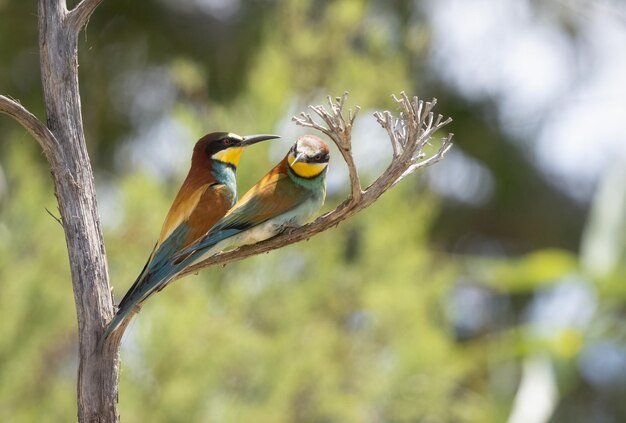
(409, 134)
(79, 16)
(34, 126)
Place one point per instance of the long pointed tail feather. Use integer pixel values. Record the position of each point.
(156, 275)
(119, 321)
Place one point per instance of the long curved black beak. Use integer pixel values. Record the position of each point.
(253, 139)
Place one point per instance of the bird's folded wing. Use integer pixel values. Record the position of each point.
(213, 205)
(174, 236)
(158, 258)
(183, 206)
(202, 209)
(274, 195)
(271, 197)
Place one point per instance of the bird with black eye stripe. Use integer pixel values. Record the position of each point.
(289, 195)
(208, 192)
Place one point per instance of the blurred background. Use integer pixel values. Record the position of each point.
(489, 288)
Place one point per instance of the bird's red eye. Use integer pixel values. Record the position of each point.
(227, 141)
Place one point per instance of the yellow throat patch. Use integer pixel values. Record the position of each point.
(306, 170)
(229, 156)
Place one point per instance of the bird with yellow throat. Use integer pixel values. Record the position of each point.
(289, 195)
(208, 192)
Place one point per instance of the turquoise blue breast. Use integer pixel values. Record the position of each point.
(225, 174)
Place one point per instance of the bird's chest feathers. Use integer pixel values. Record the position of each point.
(225, 174)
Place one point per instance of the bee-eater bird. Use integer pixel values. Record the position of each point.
(205, 196)
(288, 196)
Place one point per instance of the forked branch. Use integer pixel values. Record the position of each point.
(409, 133)
(34, 126)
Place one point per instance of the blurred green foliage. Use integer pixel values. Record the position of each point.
(391, 317)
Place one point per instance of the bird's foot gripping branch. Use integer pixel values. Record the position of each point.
(409, 133)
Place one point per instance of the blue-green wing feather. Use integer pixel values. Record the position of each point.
(158, 258)
(157, 271)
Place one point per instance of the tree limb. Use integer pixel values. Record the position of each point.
(409, 133)
(79, 16)
(34, 126)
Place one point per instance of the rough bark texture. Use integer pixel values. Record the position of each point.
(74, 188)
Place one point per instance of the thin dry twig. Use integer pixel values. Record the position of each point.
(79, 16)
(339, 129)
(57, 219)
(409, 134)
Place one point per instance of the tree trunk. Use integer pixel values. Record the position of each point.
(74, 188)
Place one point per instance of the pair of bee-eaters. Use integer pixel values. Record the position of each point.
(206, 217)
